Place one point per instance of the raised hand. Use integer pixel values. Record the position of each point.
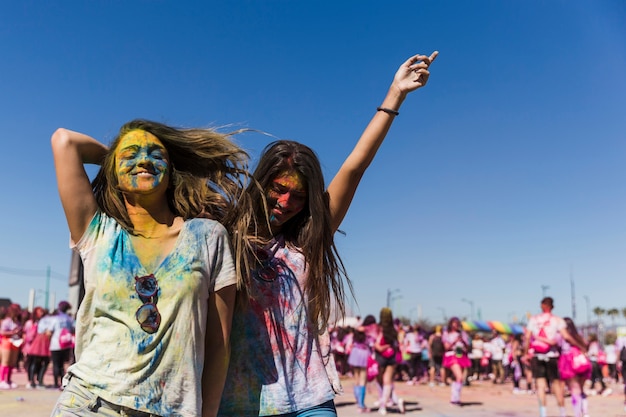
(413, 73)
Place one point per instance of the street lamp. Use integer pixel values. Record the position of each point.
(471, 303)
(392, 295)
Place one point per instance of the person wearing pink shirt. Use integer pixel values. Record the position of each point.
(10, 338)
(456, 343)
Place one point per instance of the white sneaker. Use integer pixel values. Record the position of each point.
(401, 406)
(382, 411)
(4, 385)
(607, 392)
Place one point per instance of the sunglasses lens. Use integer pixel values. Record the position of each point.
(148, 317)
(261, 255)
(146, 286)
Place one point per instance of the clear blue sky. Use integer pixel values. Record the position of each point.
(504, 174)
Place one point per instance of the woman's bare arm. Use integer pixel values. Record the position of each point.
(71, 151)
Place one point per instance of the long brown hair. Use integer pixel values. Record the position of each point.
(310, 231)
(573, 331)
(207, 173)
(387, 327)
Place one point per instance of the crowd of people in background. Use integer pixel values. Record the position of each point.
(447, 356)
(31, 340)
(380, 353)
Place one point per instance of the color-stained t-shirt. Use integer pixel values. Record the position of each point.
(157, 373)
(277, 364)
(549, 327)
(8, 325)
(453, 339)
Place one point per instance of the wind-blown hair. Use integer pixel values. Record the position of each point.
(310, 231)
(573, 331)
(206, 173)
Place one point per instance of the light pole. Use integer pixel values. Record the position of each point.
(392, 295)
(471, 303)
(48, 288)
(587, 303)
(543, 290)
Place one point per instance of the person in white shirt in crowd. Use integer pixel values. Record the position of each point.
(541, 351)
(413, 346)
(61, 345)
(507, 358)
(611, 356)
(496, 347)
(476, 355)
(594, 351)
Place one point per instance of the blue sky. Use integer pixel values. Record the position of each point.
(502, 179)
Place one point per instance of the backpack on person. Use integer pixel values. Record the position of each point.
(436, 347)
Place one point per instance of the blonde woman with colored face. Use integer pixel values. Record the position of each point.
(292, 274)
(159, 281)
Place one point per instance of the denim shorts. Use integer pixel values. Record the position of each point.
(76, 400)
(326, 409)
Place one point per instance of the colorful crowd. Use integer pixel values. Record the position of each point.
(550, 357)
(379, 353)
(33, 340)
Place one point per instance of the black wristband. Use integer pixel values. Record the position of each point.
(388, 111)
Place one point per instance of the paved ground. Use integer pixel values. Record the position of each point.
(479, 400)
